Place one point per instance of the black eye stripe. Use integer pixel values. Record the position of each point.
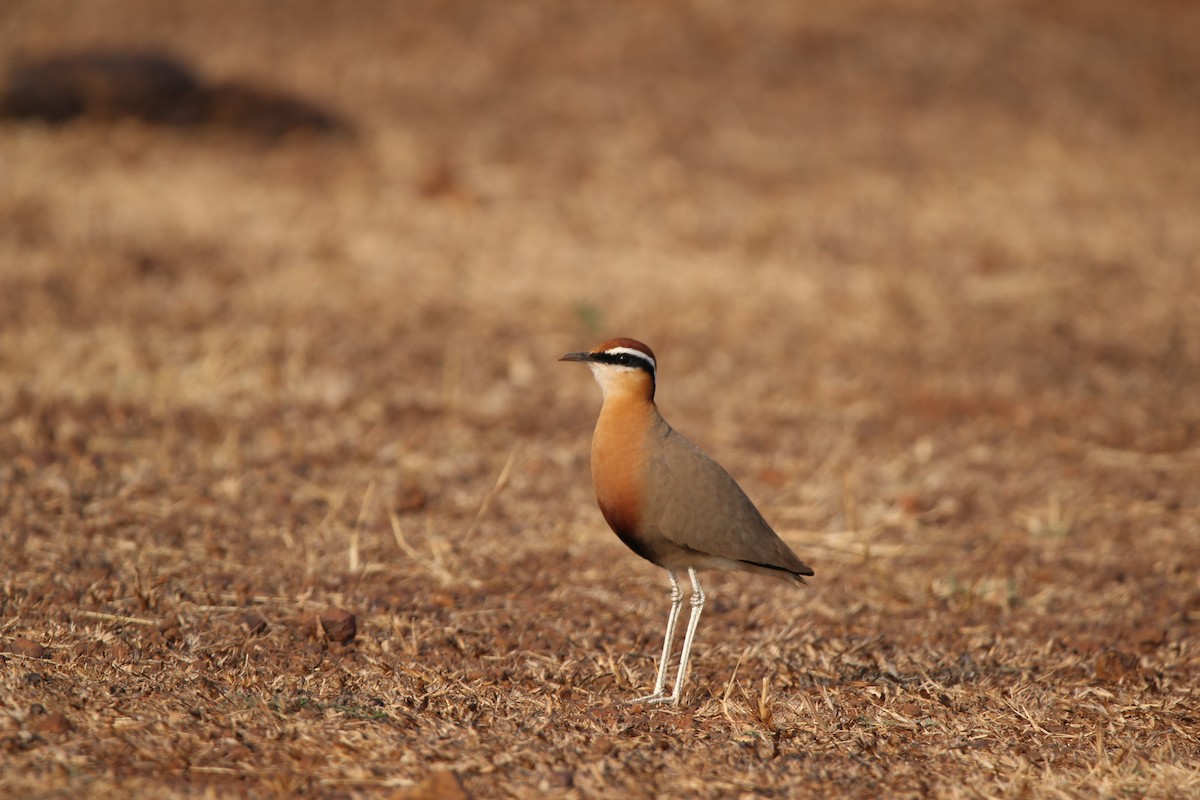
(624, 360)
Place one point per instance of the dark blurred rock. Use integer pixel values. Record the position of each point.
(23, 647)
(339, 625)
(265, 113)
(54, 722)
(156, 88)
(102, 85)
(1114, 666)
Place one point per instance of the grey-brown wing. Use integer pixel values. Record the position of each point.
(695, 503)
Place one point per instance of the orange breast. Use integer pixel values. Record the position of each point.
(619, 460)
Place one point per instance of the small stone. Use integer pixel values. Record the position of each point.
(561, 779)
(23, 647)
(169, 631)
(339, 625)
(254, 622)
(1113, 666)
(440, 785)
(601, 746)
(912, 504)
(54, 722)
(409, 496)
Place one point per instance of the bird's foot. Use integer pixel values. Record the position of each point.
(658, 697)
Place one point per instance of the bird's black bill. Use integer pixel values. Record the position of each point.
(577, 357)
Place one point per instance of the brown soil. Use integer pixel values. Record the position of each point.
(294, 497)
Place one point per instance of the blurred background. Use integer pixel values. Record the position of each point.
(1002, 194)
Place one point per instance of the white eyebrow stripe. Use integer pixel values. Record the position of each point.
(629, 351)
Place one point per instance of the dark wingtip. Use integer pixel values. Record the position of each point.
(798, 575)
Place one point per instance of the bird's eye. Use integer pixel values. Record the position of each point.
(623, 359)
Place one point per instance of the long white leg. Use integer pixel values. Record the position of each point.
(661, 681)
(693, 620)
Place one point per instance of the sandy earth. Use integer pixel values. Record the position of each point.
(924, 276)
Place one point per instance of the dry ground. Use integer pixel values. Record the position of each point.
(924, 275)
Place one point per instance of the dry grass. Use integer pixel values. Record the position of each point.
(924, 275)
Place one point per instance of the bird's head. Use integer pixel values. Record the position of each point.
(621, 366)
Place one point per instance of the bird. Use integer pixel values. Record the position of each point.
(667, 500)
